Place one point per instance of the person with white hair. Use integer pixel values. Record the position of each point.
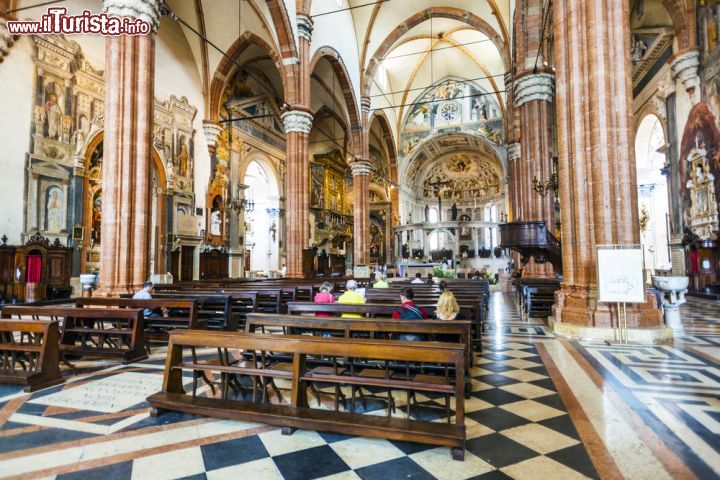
(351, 297)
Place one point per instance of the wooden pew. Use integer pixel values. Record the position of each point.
(471, 312)
(93, 332)
(217, 311)
(349, 327)
(29, 353)
(298, 414)
(182, 313)
(536, 296)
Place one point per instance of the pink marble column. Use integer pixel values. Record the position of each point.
(127, 180)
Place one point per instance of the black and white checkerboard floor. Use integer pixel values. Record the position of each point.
(517, 427)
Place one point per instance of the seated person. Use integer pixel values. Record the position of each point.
(351, 297)
(145, 293)
(380, 281)
(447, 306)
(442, 286)
(429, 280)
(409, 311)
(418, 278)
(324, 296)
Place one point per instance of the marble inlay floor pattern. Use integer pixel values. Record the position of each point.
(541, 407)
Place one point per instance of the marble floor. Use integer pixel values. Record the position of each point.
(541, 407)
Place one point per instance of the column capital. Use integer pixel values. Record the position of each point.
(305, 27)
(365, 103)
(297, 121)
(146, 10)
(535, 86)
(361, 166)
(212, 132)
(684, 68)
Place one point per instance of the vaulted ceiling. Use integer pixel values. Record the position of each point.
(392, 50)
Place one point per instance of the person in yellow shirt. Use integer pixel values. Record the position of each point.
(380, 281)
(351, 297)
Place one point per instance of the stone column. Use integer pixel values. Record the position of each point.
(361, 169)
(533, 97)
(127, 181)
(298, 124)
(598, 192)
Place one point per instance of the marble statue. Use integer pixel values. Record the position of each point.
(215, 223)
(54, 210)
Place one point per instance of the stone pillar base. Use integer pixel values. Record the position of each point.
(644, 336)
(578, 306)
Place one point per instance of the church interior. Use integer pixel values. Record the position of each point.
(360, 239)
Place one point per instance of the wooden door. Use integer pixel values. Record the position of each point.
(188, 259)
(175, 265)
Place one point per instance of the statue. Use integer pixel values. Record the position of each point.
(638, 50)
(54, 117)
(454, 211)
(183, 160)
(215, 223)
(54, 211)
(427, 213)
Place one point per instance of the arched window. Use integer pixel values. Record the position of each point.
(433, 215)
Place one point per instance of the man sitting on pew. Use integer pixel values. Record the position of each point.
(418, 279)
(351, 297)
(409, 311)
(145, 293)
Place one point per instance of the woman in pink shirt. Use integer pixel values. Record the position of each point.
(324, 296)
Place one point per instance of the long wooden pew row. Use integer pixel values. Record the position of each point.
(467, 312)
(217, 311)
(351, 327)
(176, 313)
(93, 332)
(298, 414)
(29, 353)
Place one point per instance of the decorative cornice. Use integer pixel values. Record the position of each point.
(212, 132)
(685, 69)
(305, 27)
(361, 167)
(537, 86)
(146, 10)
(297, 121)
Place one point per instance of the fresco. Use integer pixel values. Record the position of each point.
(450, 106)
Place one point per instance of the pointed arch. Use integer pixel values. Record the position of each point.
(341, 72)
(227, 68)
(437, 12)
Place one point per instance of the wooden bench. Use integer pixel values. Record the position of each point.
(181, 313)
(29, 353)
(349, 327)
(217, 311)
(467, 312)
(298, 414)
(94, 332)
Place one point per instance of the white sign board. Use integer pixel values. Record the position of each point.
(620, 274)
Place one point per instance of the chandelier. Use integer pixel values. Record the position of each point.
(543, 188)
(238, 204)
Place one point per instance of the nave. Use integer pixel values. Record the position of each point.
(541, 407)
